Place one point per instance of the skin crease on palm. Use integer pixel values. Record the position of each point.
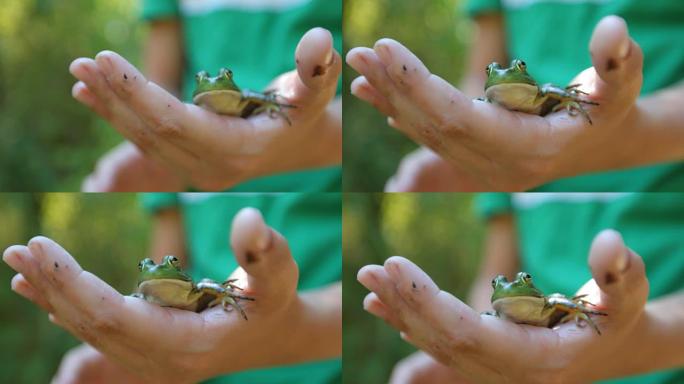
(179, 346)
(486, 146)
(486, 349)
(173, 145)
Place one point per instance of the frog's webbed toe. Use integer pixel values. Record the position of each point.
(573, 107)
(229, 303)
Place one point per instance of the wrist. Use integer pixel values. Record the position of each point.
(613, 142)
(311, 142)
(319, 322)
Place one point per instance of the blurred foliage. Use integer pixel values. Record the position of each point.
(107, 234)
(438, 232)
(49, 140)
(437, 32)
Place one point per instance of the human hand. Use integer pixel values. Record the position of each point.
(85, 364)
(484, 348)
(210, 151)
(421, 368)
(424, 171)
(165, 344)
(500, 149)
(126, 169)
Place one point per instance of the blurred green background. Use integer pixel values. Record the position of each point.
(106, 233)
(50, 142)
(438, 32)
(439, 232)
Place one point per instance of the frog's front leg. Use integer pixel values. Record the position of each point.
(568, 98)
(266, 102)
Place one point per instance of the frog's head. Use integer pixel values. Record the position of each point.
(222, 82)
(515, 74)
(169, 268)
(521, 286)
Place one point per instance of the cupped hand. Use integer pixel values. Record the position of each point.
(165, 344)
(487, 349)
(497, 149)
(203, 149)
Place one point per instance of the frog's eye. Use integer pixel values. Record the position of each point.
(494, 282)
(173, 260)
(487, 69)
(527, 277)
(521, 65)
(201, 75)
(140, 266)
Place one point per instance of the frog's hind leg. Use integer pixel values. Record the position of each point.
(575, 309)
(265, 102)
(229, 302)
(572, 107)
(568, 98)
(229, 283)
(581, 320)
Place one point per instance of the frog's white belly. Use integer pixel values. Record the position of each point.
(516, 97)
(523, 309)
(170, 293)
(223, 102)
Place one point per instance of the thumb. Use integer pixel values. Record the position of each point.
(263, 253)
(619, 272)
(318, 64)
(617, 59)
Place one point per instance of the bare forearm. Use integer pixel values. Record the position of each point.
(663, 335)
(656, 343)
(328, 151)
(652, 132)
(320, 147)
(660, 126)
(319, 334)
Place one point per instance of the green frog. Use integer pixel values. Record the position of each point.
(221, 95)
(167, 285)
(521, 302)
(514, 89)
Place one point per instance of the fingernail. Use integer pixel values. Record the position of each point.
(329, 57)
(625, 47)
(265, 240)
(382, 51)
(622, 261)
(106, 64)
(14, 259)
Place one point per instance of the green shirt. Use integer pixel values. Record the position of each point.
(553, 39)
(312, 224)
(257, 43)
(555, 231)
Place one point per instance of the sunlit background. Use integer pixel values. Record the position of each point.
(439, 232)
(107, 234)
(438, 32)
(48, 141)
